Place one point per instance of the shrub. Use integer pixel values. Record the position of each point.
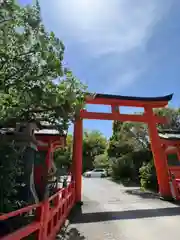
(10, 170)
(119, 148)
(139, 157)
(101, 161)
(148, 177)
(122, 168)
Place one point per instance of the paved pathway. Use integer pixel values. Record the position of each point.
(113, 212)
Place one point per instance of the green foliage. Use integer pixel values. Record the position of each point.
(63, 156)
(137, 133)
(118, 148)
(148, 176)
(31, 58)
(101, 161)
(139, 157)
(94, 143)
(120, 151)
(11, 169)
(123, 168)
(173, 117)
(117, 127)
(131, 139)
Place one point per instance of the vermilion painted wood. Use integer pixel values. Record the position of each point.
(120, 117)
(158, 156)
(148, 117)
(77, 158)
(19, 211)
(65, 198)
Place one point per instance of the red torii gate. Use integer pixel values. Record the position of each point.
(148, 117)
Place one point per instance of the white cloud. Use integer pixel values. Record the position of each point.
(126, 79)
(103, 27)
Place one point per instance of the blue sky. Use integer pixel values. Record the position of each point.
(124, 47)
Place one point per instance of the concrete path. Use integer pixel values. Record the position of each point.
(114, 212)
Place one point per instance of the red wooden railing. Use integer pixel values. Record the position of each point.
(50, 215)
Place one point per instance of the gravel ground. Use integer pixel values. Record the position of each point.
(114, 212)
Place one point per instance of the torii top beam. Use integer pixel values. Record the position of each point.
(108, 99)
(115, 101)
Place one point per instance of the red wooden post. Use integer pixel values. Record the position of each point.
(45, 219)
(159, 156)
(77, 158)
(39, 217)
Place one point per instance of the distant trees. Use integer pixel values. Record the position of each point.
(93, 150)
(63, 156)
(101, 161)
(94, 144)
(127, 154)
(129, 149)
(173, 115)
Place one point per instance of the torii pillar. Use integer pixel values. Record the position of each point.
(77, 158)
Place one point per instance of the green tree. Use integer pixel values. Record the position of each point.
(101, 161)
(118, 148)
(128, 149)
(31, 59)
(116, 130)
(63, 156)
(173, 117)
(94, 143)
(131, 141)
(137, 133)
(123, 168)
(133, 132)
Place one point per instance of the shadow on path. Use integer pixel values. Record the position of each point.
(78, 217)
(142, 194)
(148, 195)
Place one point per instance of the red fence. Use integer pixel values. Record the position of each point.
(50, 215)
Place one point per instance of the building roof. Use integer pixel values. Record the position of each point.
(49, 132)
(170, 134)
